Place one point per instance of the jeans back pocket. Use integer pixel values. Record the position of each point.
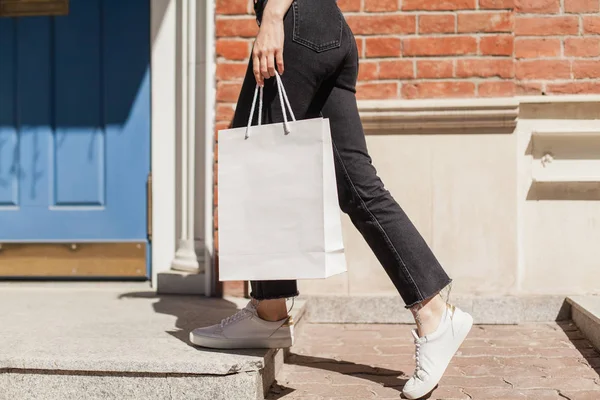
(317, 24)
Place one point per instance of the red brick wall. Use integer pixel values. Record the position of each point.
(444, 48)
(409, 49)
(557, 46)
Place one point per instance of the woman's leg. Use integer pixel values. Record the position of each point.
(326, 82)
(402, 251)
(397, 244)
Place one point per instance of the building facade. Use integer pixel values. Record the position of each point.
(482, 117)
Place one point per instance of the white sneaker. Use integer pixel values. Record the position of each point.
(434, 352)
(245, 330)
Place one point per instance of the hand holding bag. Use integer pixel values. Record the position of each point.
(278, 209)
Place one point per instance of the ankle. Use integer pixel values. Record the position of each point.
(272, 310)
(429, 314)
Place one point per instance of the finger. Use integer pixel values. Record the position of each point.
(256, 69)
(279, 59)
(264, 67)
(271, 64)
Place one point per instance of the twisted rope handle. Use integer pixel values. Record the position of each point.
(283, 100)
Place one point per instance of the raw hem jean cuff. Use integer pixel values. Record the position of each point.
(280, 296)
(427, 297)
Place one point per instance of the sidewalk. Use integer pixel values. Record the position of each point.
(533, 361)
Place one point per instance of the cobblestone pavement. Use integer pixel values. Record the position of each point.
(533, 361)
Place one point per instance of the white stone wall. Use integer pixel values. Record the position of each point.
(470, 194)
(560, 221)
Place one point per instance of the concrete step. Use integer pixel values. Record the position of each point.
(585, 312)
(120, 341)
(485, 309)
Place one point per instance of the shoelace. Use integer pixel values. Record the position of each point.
(234, 318)
(418, 359)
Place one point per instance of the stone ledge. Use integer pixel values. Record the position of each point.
(564, 99)
(79, 328)
(471, 116)
(390, 309)
(582, 107)
(435, 116)
(68, 386)
(585, 311)
(121, 341)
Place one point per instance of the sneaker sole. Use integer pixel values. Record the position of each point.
(463, 332)
(217, 343)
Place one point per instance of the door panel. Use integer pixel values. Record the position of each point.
(33, 72)
(9, 182)
(75, 124)
(79, 135)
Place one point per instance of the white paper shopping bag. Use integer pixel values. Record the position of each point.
(278, 206)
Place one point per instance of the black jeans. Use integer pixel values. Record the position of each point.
(321, 68)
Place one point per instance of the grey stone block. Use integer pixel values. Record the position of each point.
(390, 309)
(82, 329)
(273, 365)
(45, 386)
(147, 356)
(124, 342)
(341, 309)
(52, 386)
(244, 386)
(545, 308)
(589, 327)
(365, 309)
(497, 310)
(177, 282)
(3, 385)
(586, 315)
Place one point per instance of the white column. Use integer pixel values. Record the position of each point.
(185, 256)
(209, 138)
(164, 117)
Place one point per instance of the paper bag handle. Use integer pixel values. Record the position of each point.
(258, 93)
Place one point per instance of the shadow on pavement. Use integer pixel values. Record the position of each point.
(192, 312)
(591, 356)
(386, 377)
(278, 391)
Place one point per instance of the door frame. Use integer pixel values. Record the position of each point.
(164, 145)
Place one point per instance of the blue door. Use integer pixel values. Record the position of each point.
(75, 124)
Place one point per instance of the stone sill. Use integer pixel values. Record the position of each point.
(576, 98)
(472, 115)
(439, 116)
